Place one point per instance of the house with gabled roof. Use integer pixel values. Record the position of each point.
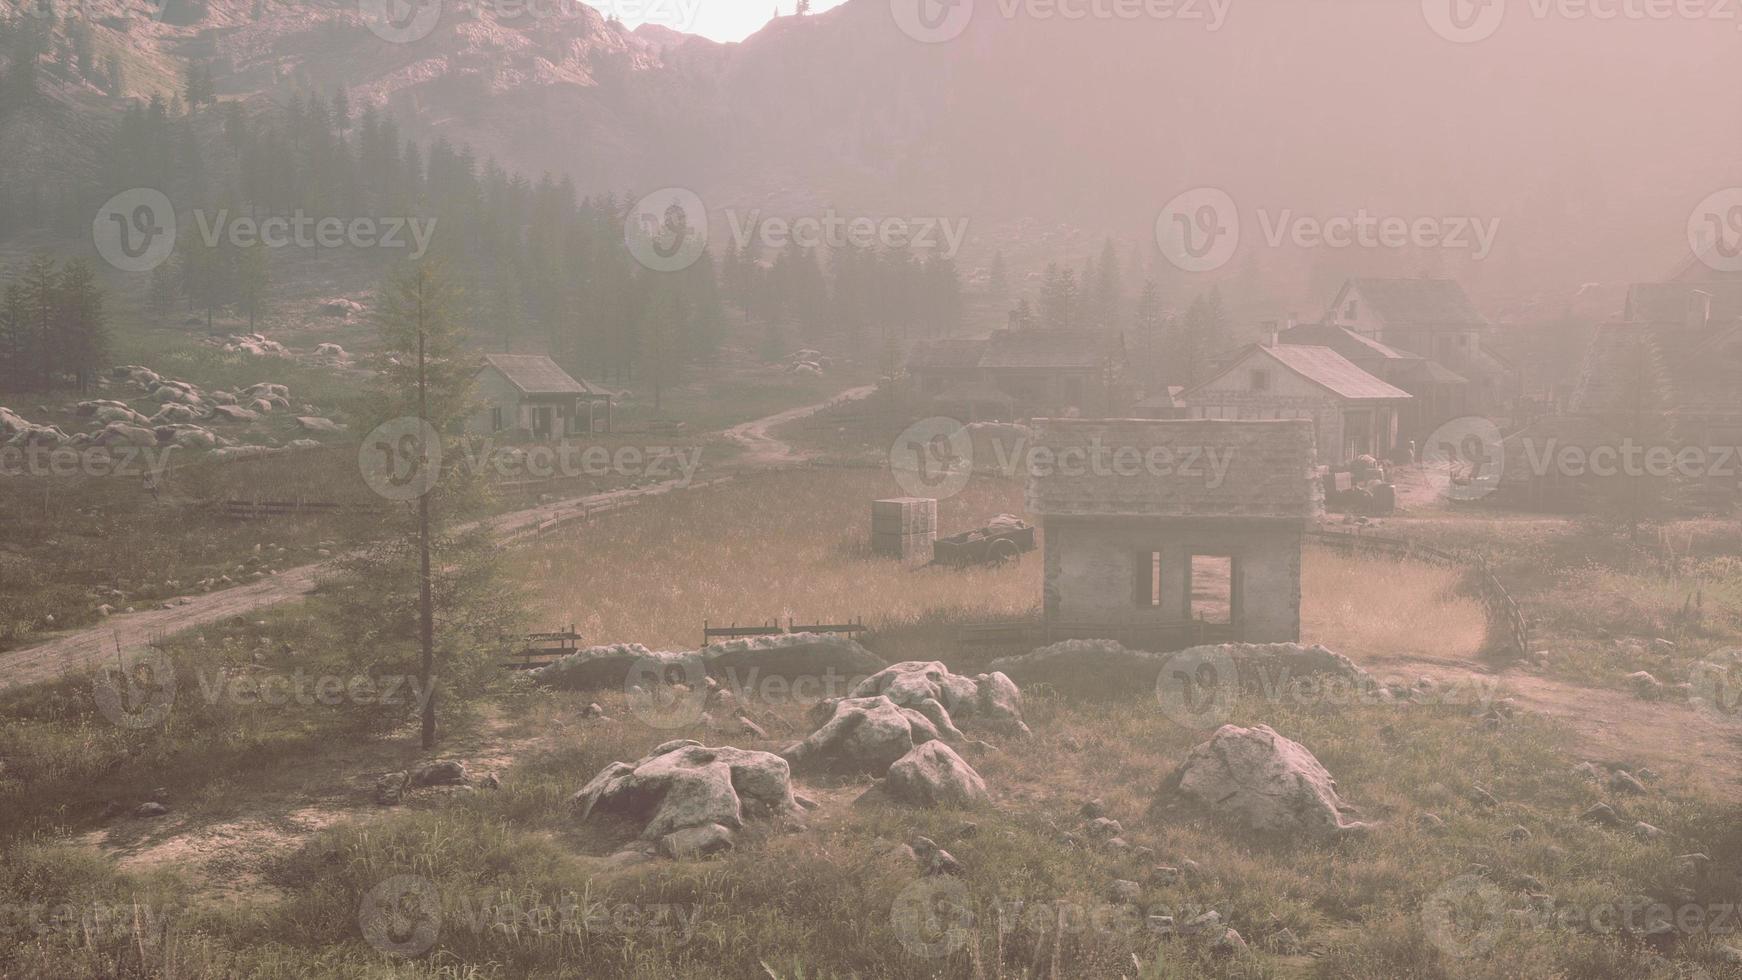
(1432, 318)
(1352, 412)
(529, 395)
(1020, 373)
(1172, 533)
(1437, 393)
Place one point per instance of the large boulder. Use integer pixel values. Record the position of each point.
(865, 737)
(934, 775)
(683, 785)
(11, 423)
(619, 665)
(170, 414)
(990, 699)
(311, 423)
(790, 656)
(1263, 782)
(1104, 668)
(186, 436)
(123, 434)
(38, 437)
(234, 413)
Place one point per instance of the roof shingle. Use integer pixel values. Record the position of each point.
(536, 374)
(1189, 469)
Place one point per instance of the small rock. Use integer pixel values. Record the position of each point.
(1091, 810)
(1164, 876)
(1624, 782)
(1516, 833)
(1727, 954)
(694, 842)
(390, 789)
(593, 711)
(805, 801)
(147, 810)
(1430, 822)
(447, 772)
(1104, 827)
(1125, 892)
(1644, 685)
(1208, 922)
(1588, 770)
(1285, 943)
(1481, 797)
(751, 728)
(1645, 831)
(1228, 944)
(490, 781)
(1601, 813)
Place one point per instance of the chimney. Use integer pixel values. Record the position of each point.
(1271, 338)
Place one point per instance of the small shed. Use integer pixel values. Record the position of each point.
(530, 394)
(1175, 523)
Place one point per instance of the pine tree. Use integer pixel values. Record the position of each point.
(82, 324)
(253, 279)
(998, 280)
(1146, 323)
(431, 598)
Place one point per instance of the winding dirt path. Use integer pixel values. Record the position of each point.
(761, 448)
(128, 633)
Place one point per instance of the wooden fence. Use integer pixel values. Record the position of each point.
(710, 633)
(257, 509)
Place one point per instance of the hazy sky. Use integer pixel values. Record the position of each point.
(722, 20)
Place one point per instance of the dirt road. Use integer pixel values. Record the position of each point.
(763, 449)
(131, 632)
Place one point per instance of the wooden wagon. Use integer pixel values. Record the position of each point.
(994, 544)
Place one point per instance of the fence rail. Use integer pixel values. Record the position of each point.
(710, 633)
(258, 509)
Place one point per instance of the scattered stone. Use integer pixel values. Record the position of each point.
(151, 809)
(683, 784)
(490, 781)
(446, 772)
(592, 710)
(609, 667)
(1124, 892)
(694, 842)
(1209, 922)
(751, 728)
(805, 801)
(1091, 810)
(1228, 944)
(1107, 668)
(390, 789)
(315, 424)
(1645, 831)
(934, 860)
(1588, 770)
(934, 775)
(1481, 797)
(1517, 833)
(1430, 822)
(791, 656)
(1265, 782)
(1104, 827)
(865, 736)
(1624, 782)
(1284, 943)
(1645, 685)
(991, 699)
(1602, 814)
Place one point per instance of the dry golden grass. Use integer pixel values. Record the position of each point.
(794, 545)
(784, 545)
(1368, 608)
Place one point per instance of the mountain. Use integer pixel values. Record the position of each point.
(1046, 133)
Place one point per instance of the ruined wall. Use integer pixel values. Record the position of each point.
(1091, 569)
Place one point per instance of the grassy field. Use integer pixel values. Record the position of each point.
(280, 898)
